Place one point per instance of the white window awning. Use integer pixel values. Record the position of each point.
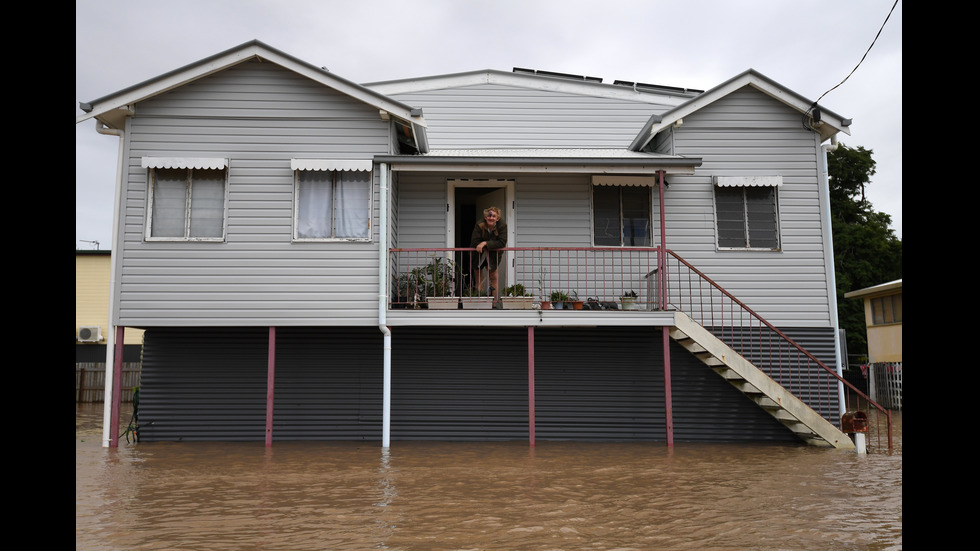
(615, 180)
(185, 162)
(332, 164)
(748, 181)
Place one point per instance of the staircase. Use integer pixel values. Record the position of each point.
(789, 410)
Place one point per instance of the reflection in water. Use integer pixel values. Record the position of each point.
(468, 496)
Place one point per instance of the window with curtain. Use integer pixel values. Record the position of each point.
(747, 217)
(187, 203)
(621, 216)
(333, 204)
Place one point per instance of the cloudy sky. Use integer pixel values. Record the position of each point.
(809, 46)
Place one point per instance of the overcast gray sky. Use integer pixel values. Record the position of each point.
(809, 46)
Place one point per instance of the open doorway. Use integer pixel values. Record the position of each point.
(467, 200)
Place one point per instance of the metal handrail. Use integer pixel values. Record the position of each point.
(604, 274)
(692, 300)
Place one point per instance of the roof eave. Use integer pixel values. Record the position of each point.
(830, 123)
(672, 165)
(103, 108)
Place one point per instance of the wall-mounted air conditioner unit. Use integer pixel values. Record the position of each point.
(89, 333)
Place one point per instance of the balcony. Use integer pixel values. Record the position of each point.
(601, 281)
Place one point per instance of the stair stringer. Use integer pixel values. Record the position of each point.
(785, 407)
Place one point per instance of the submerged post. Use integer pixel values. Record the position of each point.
(662, 299)
(530, 384)
(116, 398)
(270, 387)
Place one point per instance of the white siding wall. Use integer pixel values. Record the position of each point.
(749, 133)
(258, 116)
(746, 133)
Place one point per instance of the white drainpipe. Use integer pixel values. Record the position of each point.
(110, 338)
(829, 239)
(383, 305)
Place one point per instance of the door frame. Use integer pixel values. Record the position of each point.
(508, 186)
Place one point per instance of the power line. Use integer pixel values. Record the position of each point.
(862, 57)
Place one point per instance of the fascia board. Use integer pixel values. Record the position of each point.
(224, 60)
(657, 123)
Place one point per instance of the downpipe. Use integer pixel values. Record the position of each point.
(383, 305)
(829, 239)
(109, 413)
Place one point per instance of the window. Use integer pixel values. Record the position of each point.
(333, 204)
(187, 203)
(746, 213)
(885, 310)
(621, 215)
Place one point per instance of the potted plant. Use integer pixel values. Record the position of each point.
(409, 289)
(629, 300)
(517, 298)
(440, 284)
(575, 302)
(558, 299)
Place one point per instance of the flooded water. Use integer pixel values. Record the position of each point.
(480, 496)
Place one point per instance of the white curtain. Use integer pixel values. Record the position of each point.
(207, 203)
(333, 204)
(353, 201)
(314, 201)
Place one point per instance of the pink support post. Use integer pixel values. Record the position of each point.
(116, 404)
(270, 387)
(530, 384)
(662, 276)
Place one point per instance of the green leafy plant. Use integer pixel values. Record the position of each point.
(517, 291)
(440, 277)
(559, 296)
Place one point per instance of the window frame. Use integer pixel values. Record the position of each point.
(744, 184)
(189, 170)
(335, 173)
(886, 310)
(620, 188)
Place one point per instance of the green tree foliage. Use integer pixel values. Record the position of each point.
(866, 250)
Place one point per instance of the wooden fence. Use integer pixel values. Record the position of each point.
(90, 381)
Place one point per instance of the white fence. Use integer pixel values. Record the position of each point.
(885, 384)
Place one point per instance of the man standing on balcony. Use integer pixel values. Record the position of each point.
(488, 236)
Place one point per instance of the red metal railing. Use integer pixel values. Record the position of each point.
(615, 278)
(599, 277)
(692, 292)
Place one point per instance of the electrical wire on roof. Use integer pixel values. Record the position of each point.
(807, 115)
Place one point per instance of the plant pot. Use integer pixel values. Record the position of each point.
(576, 304)
(442, 303)
(477, 303)
(517, 303)
(628, 303)
(546, 305)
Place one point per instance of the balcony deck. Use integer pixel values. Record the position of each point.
(528, 318)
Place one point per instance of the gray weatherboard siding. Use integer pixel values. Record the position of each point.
(258, 116)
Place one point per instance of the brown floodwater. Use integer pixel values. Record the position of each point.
(481, 496)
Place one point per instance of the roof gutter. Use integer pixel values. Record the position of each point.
(671, 165)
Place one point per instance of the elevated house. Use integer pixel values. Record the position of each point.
(281, 233)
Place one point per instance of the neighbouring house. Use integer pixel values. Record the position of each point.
(883, 319)
(283, 234)
(92, 268)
